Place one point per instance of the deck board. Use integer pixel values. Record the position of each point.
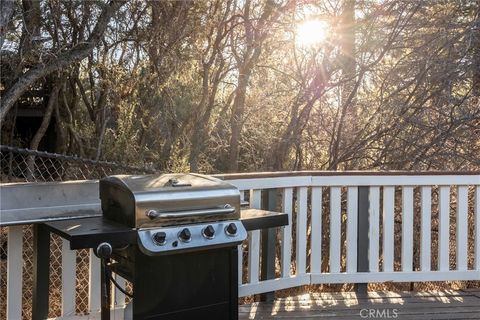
(348, 305)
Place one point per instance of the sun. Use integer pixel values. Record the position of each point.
(311, 32)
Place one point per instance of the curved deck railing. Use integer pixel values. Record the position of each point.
(340, 199)
(345, 227)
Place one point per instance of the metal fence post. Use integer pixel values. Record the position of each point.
(268, 243)
(362, 235)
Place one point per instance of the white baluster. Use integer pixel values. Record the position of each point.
(374, 226)
(352, 225)
(444, 229)
(68, 279)
(462, 228)
(301, 240)
(477, 228)
(426, 214)
(388, 227)
(407, 228)
(335, 228)
(94, 283)
(316, 233)
(254, 241)
(14, 272)
(287, 233)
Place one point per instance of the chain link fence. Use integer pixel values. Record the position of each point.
(37, 166)
(23, 165)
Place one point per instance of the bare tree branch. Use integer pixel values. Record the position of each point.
(63, 60)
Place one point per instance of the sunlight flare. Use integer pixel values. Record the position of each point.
(311, 32)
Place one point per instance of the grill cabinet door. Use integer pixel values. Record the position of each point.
(196, 285)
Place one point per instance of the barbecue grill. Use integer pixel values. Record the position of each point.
(175, 238)
(177, 213)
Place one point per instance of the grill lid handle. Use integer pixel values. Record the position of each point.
(153, 214)
(175, 183)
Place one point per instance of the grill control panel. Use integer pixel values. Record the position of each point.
(174, 239)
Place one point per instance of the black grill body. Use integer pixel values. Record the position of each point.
(174, 275)
(194, 285)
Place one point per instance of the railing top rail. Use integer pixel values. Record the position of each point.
(279, 174)
(25, 203)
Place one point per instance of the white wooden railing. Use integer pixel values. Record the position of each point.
(432, 200)
(308, 217)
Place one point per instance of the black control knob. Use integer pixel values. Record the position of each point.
(231, 229)
(208, 232)
(160, 238)
(185, 235)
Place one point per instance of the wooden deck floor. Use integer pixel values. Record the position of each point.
(375, 305)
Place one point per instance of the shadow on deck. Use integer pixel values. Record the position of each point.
(463, 304)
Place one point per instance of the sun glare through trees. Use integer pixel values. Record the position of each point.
(245, 85)
(311, 33)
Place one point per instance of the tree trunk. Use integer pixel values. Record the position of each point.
(32, 17)
(254, 40)
(198, 123)
(237, 118)
(293, 134)
(6, 13)
(200, 130)
(52, 101)
(105, 118)
(476, 53)
(347, 59)
(213, 65)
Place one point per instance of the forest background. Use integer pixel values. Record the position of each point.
(234, 85)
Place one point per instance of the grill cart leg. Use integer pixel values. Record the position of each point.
(105, 291)
(41, 271)
(268, 244)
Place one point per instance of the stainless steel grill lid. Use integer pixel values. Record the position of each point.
(168, 199)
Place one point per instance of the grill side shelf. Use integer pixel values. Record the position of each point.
(256, 219)
(90, 232)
